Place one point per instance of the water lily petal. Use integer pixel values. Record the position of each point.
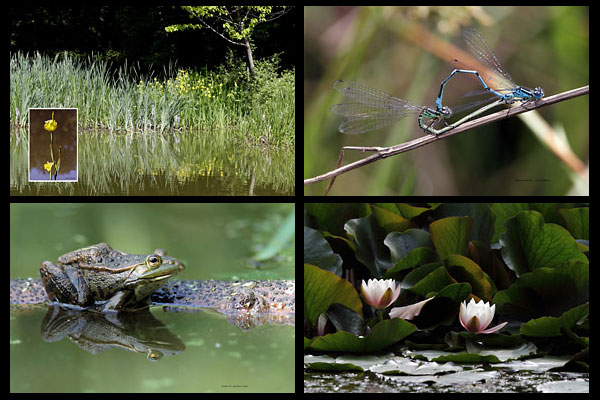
(386, 297)
(489, 316)
(473, 324)
(494, 329)
(483, 312)
(408, 312)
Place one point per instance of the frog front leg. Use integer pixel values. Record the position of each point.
(121, 300)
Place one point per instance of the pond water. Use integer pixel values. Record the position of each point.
(194, 163)
(199, 352)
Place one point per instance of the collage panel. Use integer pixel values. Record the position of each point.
(152, 297)
(446, 297)
(446, 101)
(152, 100)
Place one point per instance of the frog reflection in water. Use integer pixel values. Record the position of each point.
(105, 279)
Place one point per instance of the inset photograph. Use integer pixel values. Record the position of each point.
(53, 144)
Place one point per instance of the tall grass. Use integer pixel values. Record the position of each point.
(226, 102)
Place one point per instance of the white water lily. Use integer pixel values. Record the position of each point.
(475, 317)
(380, 293)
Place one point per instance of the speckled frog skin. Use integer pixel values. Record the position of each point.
(107, 280)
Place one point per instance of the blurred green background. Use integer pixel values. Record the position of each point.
(404, 52)
(214, 241)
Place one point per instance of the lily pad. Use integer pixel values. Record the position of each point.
(368, 237)
(416, 257)
(333, 367)
(382, 335)
(317, 251)
(577, 221)
(390, 220)
(545, 292)
(405, 210)
(401, 244)
(491, 356)
(463, 378)
(331, 364)
(540, 364)
(481, 214)
(550, 326)
(530, 243)
(457, 292)
(323, 288)
(451, 235)
(331, 217)
(366, 362)
(389, 364)
(427, 278)
(464, 269)
(409, 249)
(345, 319)
(578, 386)
(406, 366)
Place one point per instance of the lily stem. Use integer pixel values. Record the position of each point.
(51, 153)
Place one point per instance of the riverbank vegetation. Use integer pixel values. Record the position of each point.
(224, 101)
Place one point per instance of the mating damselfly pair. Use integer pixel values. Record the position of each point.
(369, 109)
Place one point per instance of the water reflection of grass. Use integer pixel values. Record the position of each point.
(260, 110)
(179, 162)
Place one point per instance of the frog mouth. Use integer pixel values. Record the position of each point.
(157, 277)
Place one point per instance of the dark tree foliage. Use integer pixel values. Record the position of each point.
(136, 34)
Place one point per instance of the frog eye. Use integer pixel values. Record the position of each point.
(154, 260)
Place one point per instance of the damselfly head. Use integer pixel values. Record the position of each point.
(538, 93)
(446, 111)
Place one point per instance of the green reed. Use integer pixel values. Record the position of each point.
(225, 103)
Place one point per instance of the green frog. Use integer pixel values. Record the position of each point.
(107, 280)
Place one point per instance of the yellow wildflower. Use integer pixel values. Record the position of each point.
(50, 125)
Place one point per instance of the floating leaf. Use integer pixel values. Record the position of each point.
(550, 326)
(382, 335)
(489, 355)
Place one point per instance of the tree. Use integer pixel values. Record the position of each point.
(237, 22)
